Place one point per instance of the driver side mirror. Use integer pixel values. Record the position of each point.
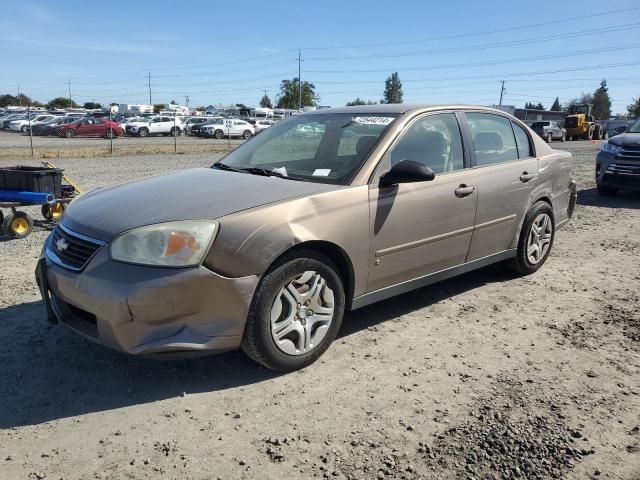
(407, 171)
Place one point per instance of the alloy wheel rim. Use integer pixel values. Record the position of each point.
(20, 225)
(539, 239)
(302, 313)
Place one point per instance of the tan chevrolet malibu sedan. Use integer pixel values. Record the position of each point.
(320, 214)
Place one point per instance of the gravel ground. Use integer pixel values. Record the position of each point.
(483, 376)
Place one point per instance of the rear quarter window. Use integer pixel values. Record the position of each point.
(522, 141)
(493, 138)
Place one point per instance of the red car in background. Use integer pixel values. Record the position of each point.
(91, 127)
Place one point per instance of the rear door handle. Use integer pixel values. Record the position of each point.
(464, 190)
(526, 177)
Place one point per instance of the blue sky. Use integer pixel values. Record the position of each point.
(229, 52)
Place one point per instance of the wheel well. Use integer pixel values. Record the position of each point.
(338, 256)
(544, 199)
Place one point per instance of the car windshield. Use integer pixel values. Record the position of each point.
(635, 127)
(323, 148)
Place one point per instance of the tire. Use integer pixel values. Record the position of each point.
(563, 138)
(597, 134)
(219, 134)
(109, 134)
(247, 134)
(549, 138)
(302, 267)
(522, 263)
(53, 212)
(70, 133)
(588, 134)
(143, 132)
(605, 135)
(24, 129)
(17, 225)
(174, 132)
(606, 191)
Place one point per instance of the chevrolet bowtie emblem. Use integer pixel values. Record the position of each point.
(62, 245)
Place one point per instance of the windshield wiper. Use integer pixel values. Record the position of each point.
(223, 166)
(269, 173)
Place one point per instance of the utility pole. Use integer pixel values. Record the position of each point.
(149, 83)
(186, 99)
(19, 97)
(70, 101)
(501, 92)
(299, 82)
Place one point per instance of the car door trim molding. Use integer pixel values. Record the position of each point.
(424, 241)
(399, 288)
(496, 221)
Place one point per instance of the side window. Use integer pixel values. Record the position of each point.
(522, 140)
(493, 138)
(433, 140)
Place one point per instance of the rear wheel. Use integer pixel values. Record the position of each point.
(70, 133)
(563, 137)
(535, 241)
(24, 129)
(109, 133)
(174, 132)
(17, 225)
(296, 312)
(607, 191)
(247, 134)
(218, 134)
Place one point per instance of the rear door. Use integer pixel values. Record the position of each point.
(505, 173)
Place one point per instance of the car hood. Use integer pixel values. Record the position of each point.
(626, 140)
(137, 124)
(196, 194)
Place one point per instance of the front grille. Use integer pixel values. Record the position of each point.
(630, 153)
(71, 250)
(624, 169)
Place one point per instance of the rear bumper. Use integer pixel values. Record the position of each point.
(145, 310)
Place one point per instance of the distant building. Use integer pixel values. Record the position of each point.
(530, 115)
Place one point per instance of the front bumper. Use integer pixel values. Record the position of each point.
(617, 173)
(147, 310)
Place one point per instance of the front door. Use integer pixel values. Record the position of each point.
(424, 227)
(505, 173)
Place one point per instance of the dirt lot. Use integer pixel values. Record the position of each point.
(15, 145)
(483, 376)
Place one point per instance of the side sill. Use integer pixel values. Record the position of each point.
(400, 288)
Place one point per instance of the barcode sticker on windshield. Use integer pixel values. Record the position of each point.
(373, 120)
(321, 172)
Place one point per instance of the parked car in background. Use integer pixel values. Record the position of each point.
(4, 122)
(91, 127)
(263, 125)
(618, 162)
(621, 128)
(272, 245)
(549, 131)
(23, 125)
(191, 122)
(159, 125)
(51, 126)
(228, 127)
(197, 129)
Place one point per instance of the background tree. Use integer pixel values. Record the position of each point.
(8, 100)
(583, 99)
(158, 107)
(393, 89)
(534, 106)
(265, 102)
(360, 101)
(634, 108)
(91, 105)
(201, 108)
(61, 102)
(602, 102)
(173, 102)
(556, 105)
(288, 97)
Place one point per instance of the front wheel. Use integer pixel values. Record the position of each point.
(109, 134)
(219, 134)
(143, 132)
(549, 137)
(296, 312)
(174, 132)
(536, 239)
(247, 134)
(70, 133)
(17, 225)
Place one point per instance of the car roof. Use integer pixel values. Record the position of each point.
(399, 108)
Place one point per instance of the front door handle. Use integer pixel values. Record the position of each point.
(526, 176)
(464, 190)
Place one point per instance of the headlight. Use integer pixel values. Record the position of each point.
(611, 148)
(175, 244)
